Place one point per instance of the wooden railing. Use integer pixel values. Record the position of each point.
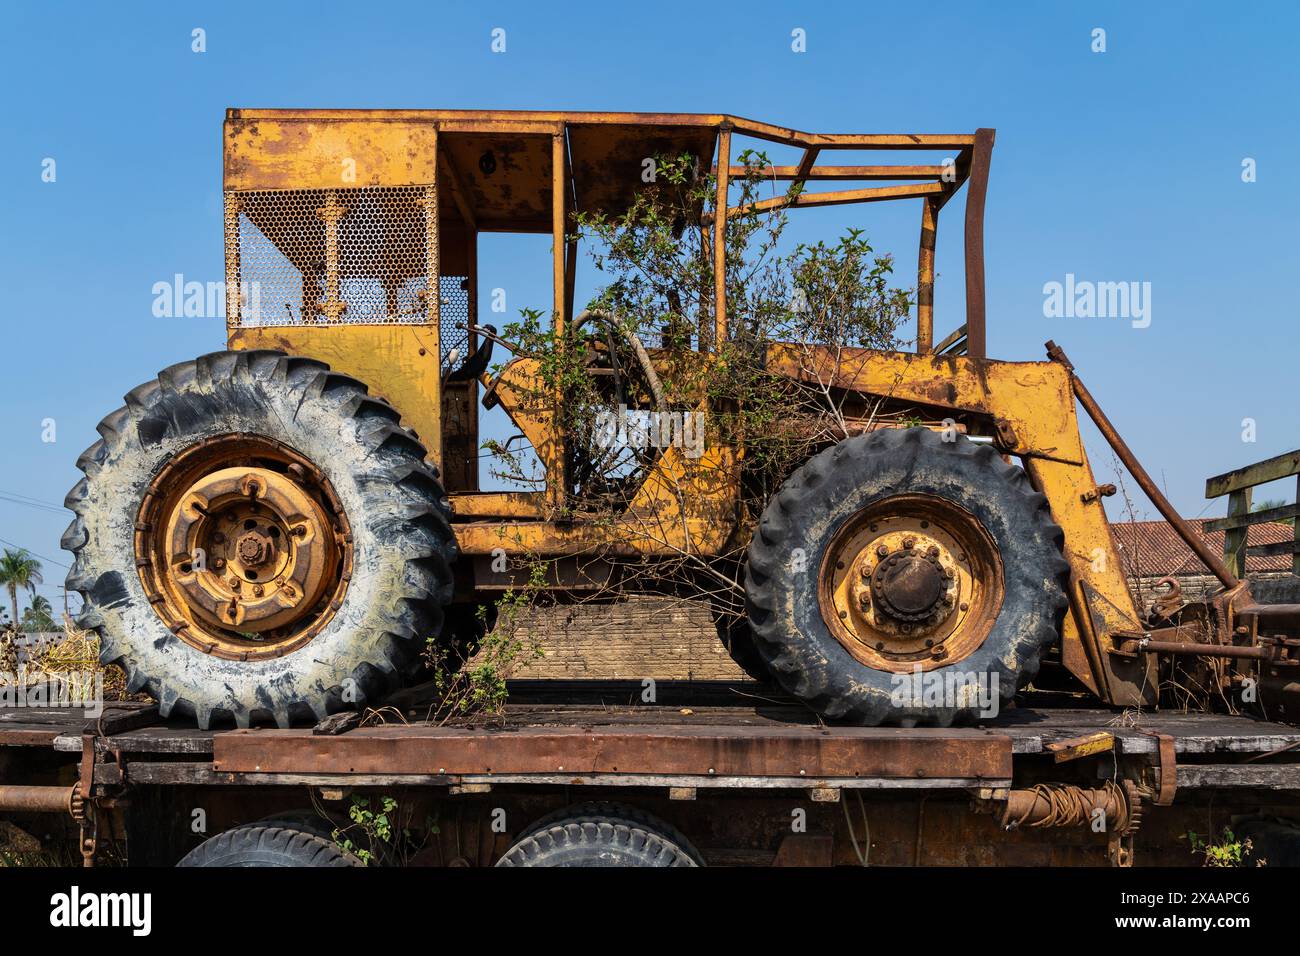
(1238, 485)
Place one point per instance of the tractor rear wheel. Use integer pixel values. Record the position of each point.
(899, 577)
(256, 537)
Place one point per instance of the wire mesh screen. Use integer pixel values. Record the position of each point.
(327, 257)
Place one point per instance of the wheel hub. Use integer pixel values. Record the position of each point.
(911, 587)
(911, 580)
(241, 561)
(255, 550)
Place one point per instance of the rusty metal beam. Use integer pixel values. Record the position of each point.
(720, 239)
(796, 752)
(546, 121)
(841, 197)
(559, 202)
(806, 165)
(844, 172)
(556, 479)
(977, 187)
(953, 338)
(925, 277)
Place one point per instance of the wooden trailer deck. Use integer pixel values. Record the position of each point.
(719, 740)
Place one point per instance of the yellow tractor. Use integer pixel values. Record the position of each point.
(273, 531)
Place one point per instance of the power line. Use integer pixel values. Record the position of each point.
(37, 505)
(34, 554)
(39, 501)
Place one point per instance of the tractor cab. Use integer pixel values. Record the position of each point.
(344, 221)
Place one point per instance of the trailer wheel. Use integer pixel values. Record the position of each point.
(623, 813)
(593, 839)
(256, 537)
(902, 578)
(257, 844)
(307, 820)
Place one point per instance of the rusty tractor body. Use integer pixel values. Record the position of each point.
(350, 254)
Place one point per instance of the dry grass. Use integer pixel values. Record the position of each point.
(74, 658)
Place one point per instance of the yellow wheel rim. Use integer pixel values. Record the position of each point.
(910, 581)
(243, 547)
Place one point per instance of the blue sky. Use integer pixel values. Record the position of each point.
(1117, 166)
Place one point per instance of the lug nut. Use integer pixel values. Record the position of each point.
(882, 551)
(909, 542)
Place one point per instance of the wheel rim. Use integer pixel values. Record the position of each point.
(912, 580)
(243, 547)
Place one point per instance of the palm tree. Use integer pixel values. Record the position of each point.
(18, 569)
(40, 616)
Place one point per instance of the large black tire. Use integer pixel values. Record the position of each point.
(307, 820)
(622, 813)
(594, 839)
(258, 844)
(825, 494)
(402, 543)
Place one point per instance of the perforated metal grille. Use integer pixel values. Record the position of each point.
(453, 315)
(324, 257)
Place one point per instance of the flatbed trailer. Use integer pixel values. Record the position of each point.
(750, 777)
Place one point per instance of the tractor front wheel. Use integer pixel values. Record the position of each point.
(256, 537)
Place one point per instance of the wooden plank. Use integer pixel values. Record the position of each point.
(1234, 541)
(41, 726)
(1269, 550)
(1237, 776)
(1255, 517)
(1257, 474)
(155, 740)
(886, 752)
